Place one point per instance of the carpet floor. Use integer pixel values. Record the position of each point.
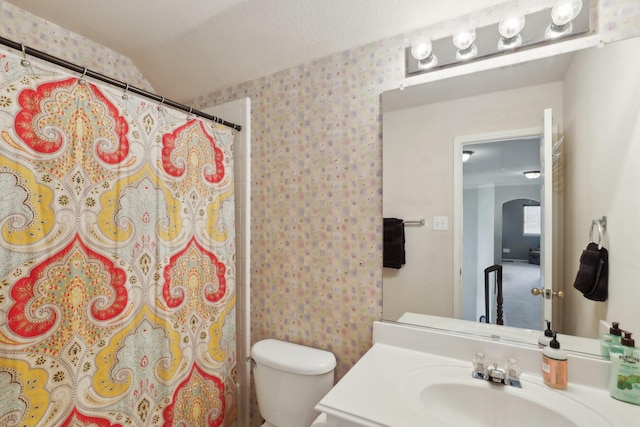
(521, 309)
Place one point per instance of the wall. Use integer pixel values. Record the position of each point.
(602, 128)
(509, 192)
(512, 231)
(21, 26)
(469, 254)
(418, 148)
(484, 249)
(239, 112)
(312, 124)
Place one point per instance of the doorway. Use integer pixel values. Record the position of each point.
(497, 200)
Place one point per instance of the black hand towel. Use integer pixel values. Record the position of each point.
(593, 274)
(393, 254)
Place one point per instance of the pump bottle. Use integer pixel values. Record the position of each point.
(611, 342)
(624, 383)
(555, 372)
(545, 338)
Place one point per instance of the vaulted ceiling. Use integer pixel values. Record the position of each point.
(190, 48)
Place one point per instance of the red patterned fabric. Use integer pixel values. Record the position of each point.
(117, 274)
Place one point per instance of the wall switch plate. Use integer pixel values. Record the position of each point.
(440, 223)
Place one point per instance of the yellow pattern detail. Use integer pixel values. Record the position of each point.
(32, 382)
(216, 333)
(6, 340)
(213, 217)
(39, 203)
(167, 231)
(7, 138)
(104, 384)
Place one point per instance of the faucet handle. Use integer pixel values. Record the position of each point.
(480, 365)
(513, 372)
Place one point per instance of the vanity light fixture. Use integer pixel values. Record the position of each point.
(562, 15)
(422, 50)
(515, 32)
(532, 174)
(509, 29)
(466, 155)
(464, 42)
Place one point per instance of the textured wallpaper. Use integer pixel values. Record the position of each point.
(21, 26)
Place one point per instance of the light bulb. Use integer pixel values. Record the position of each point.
(509, 29)
(464, 39)
(422, 50)
(464, 42)
(532, 174)
(562, 13)
(511, 26)
(565, 11)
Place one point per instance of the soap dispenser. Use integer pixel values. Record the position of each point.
(545, 338)
(624, 383)
(611, 341)
(555, 372)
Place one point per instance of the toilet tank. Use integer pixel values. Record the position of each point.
(290, 380)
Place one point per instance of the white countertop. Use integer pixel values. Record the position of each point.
(370, 394)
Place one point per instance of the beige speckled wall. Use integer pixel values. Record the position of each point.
(316, 202)
(316, 199)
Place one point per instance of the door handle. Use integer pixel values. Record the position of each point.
(547, 293)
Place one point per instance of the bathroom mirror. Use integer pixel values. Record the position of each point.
(594, 94)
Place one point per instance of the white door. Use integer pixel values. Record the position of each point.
(546, 231)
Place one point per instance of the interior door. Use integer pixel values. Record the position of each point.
(546, 202)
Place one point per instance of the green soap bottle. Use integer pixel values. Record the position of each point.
(612, 339)
(624, 383)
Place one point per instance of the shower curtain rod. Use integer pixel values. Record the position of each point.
(89, 73)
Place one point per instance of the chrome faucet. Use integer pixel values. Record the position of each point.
(495, 374)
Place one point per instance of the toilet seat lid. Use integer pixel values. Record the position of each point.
(293, 358)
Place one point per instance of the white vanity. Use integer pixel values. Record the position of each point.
(414, 376)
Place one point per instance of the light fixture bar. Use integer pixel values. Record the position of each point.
(487, 38)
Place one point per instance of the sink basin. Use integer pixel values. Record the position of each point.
(449, 396)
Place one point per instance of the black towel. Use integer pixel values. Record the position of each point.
(593, 274)
(393, 255)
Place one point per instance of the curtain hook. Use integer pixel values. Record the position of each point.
(190, 114)
(125, 95)
(25, 62)
(160, 108)
(81, 80)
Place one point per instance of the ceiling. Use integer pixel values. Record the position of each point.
(202, 46)
(502, 163)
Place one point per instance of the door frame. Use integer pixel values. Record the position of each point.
(458, 143)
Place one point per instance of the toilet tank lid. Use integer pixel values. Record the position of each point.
(293, 358)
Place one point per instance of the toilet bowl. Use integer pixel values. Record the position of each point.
(290, 380)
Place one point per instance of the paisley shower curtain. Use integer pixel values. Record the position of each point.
(117, 257)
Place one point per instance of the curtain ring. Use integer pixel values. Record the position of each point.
(25, 62)
(81, 80)
(125, 95)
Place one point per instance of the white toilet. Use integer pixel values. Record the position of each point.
(290, 380)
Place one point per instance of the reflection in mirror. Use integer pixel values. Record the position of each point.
(497, 170)
(595, 97)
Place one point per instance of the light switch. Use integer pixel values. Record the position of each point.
(440, 223)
